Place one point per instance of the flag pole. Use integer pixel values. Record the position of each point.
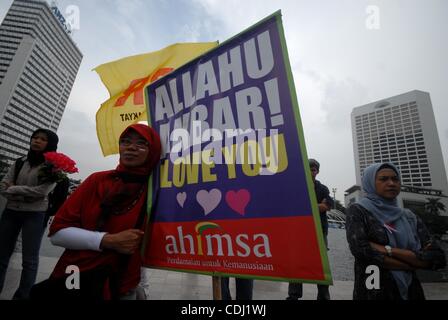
(216, 288)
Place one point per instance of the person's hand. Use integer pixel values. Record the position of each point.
(378, 247)
(432, 252)
(126, 242)
(323, 206)
(5, 185)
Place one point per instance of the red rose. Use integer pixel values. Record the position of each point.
(60, 162)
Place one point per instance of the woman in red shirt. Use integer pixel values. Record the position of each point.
(99, 223)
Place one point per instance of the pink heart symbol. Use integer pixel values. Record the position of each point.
(238, 200)
(209, 200)
(181, 197)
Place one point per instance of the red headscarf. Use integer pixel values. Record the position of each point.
(150, 135)
(131, 182)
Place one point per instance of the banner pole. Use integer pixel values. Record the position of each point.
(216, 288)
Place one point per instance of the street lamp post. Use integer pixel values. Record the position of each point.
(334, 198)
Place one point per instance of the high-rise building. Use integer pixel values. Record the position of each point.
(38, 65)
(401, 130)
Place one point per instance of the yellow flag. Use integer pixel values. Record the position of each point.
(126, 80)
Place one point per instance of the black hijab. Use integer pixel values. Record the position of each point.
(36, 158)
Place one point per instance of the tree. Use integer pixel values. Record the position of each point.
(434, 206)
(433, 219)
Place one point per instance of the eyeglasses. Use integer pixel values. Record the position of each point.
(140, 143)
(386, 178)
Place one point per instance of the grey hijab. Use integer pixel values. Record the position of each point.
(400, 224)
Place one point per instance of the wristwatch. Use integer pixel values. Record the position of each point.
(388, 250)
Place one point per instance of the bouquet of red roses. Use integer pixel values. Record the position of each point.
(56, 167)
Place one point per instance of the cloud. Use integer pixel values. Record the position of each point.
(125, 30)
(325, 106)
(339, 99)
(4, 6)
(190, 32)
(128, 8)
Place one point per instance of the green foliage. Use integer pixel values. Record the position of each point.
(434, 207)
(430, 213)
(436, 223)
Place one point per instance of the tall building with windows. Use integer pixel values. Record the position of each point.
(401, 130)
(38, 65)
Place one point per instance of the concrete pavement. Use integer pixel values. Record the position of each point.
(168, 285)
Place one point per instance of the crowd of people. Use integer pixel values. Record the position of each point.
(100, 226)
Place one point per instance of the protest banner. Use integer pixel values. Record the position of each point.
(234, 193)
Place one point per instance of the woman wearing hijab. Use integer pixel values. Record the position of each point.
(27, 203)
(99, 223)
(395, 240)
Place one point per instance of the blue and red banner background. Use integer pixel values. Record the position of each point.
(236, 219)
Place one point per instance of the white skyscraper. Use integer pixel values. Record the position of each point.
(401, 130)
(38, 66)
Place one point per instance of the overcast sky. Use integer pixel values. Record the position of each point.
(341, 57)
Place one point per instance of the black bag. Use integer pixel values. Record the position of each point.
(56, 198)
(91, 286)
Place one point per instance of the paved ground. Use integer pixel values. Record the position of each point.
(166, 285)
